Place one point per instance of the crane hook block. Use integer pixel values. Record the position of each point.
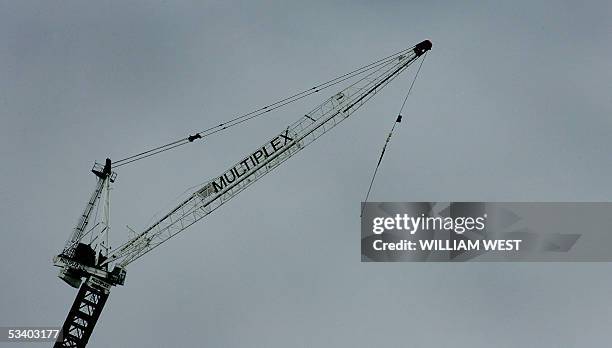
(191, 138)
(422, 47)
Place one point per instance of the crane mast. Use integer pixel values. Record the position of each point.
(92, 295)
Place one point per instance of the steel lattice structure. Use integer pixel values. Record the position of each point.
(80, 260)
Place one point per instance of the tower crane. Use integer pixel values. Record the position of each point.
(101, 267)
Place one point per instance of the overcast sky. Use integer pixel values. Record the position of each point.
(512, 104)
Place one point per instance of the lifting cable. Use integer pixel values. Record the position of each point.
(397, 120)
(261, 111)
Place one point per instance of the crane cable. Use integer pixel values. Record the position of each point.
(397, 120)
(261, 111)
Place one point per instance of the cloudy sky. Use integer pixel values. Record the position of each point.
(512, 104)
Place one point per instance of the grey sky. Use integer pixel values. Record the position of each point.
(513, 104)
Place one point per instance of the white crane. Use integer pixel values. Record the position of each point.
(102, 268)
